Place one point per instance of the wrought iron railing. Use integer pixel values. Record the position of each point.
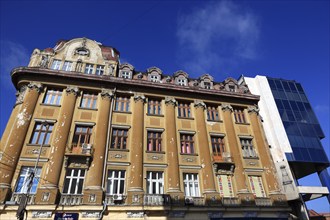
(156, 199)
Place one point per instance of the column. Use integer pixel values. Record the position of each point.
(48, 190)
(204, 151)
(15, 141)
(262, 147)
(93, 184)
(239, 176)
(173, 180)
(135, 182)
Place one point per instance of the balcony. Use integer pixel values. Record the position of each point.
(17, 198)
(223, 162)
(195, 201)
(263, 202)
(71, 199)
(230, 201)
(81, 149)
(156, 200)
(118, 199)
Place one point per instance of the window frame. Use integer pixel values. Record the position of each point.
(85, 136)
(239, 116)
(21, 186)
(42, 134)
(155, 183)
(122, 104)
(120, 140)
(248, 149)
(114, 182)
(78, 186)
(212, 113)
(225, 183)
(89, 100)
(218, 147)
(187, 143)
(125, 74)
(184, 110)
(191, 185)
(260, 186)
(154, 142)
(53, 97)
(67, 67)
(56, 64)
(99, 70)
(89, 68)
(154, 107)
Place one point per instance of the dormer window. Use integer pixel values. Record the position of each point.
(207, 85)
(232, 88)
(56, 64)
(206, 81)
(67, 66)
(99, 70)
(154, 78)
(182, 82)
(125, 74)
(89, 68)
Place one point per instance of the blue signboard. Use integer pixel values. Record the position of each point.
(66, 216)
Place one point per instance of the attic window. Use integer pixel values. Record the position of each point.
(82, 51)
(232, 88)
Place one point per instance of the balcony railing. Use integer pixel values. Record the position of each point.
(115, 199)
(85, 149)
(17, 197)
(196, 201)
(156, 200)
(263, 202)
(71, 199)
(224, 158)
(230, 201)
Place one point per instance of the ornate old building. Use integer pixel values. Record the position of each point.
(91, 138)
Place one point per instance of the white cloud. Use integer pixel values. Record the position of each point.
(12, 55)
(322, 108)
(215, 36)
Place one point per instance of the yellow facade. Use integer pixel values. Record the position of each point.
(114, 142)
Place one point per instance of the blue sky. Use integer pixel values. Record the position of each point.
(284, 39)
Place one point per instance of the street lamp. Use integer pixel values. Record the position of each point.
(25, 198)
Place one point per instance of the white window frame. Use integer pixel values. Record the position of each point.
(67, 66)
(154, 78)
(125, 74)
(191, 185)
(182, 81)
(119, 181)
(70, 177)
(248, 150)
(99, 70)
(226, 188)
(155, 183)
(89, 68)
(257, 186)
(24, 177)
(53, 97)
(56, 64)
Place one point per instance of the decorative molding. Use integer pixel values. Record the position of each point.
(135, 214)
(199, 104)
(170, 101)
(91, 214)
(41, 214)
(44, 61)
(215, 214)
(139, 97)
(227, 107)
(72, 89)
(155, 157)
(253, 109)
(36, 151)
(20, 94)
(117, 156)
(107, 94)
(45, 196)
(177, 214)
(35, 85)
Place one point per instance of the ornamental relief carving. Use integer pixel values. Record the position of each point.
(72, 89)
(35, 86)
(253, 109)
(199, 104)
(117, 156)
(36, 151)
(107, 94)
(155, 157)
(139, 97)
(189, 159)
(226, 107)
(170, 101)
(20, 94)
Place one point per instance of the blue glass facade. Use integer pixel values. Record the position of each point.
(301, 125)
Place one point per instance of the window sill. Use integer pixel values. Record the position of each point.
(239, 123)
(45, 104)
(185, 154)
(124, 112)
(156, 115)
(83, 108)
(38, 145)
(155, 152)
(123, 150)
(253, 158)
(188, 118)
(214, 120)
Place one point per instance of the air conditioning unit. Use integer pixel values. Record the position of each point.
(118, 197)
(189, 201)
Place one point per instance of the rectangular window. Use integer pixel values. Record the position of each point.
(67, 66)
(99, 70)
(207, 85)
(88, 101)
(119, 139)
(154, 141)
(82, 135)
(187, 144)
(41, 133)
(218, 146)
(154, 78)
(125, 74)
(184, 110)
(25, 178)
(122, 104)
(225, 186)
(239, 116)
(191, 184)
(89, 68)
(56, 64)
(74, 181)
(155, 182)
(53, 97)
(257, 187)
(154, 107)
(116, 182)
(182, 82)
(212, 114)
(247, 148)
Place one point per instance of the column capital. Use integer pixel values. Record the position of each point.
(253, 109)
(199, 104)
(72, 89)
(170, 101)
(139, 97)
(107, 94)
(20, 95)
(226, 107)
(35, 85)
